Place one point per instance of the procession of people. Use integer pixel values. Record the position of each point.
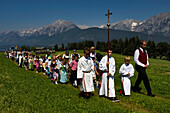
(89, 72)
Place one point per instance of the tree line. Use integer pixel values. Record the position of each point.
(160, 50)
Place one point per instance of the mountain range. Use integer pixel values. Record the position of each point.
(156, 25)
(156, 28)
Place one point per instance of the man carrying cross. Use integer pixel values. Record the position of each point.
(105, 84)
(107, 65)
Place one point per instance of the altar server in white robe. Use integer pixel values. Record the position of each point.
(126, 71)
(85, 72)
(103, 67)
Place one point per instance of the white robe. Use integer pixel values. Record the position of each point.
(20, 60)
(124, 70)
(103, 67)
(85, 71)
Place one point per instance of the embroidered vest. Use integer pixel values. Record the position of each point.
(142, 57)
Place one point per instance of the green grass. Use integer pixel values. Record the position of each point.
(26, 91)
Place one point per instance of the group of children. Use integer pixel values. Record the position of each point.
(50, 65)
(88, 70)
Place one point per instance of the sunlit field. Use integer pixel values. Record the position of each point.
(26, 91)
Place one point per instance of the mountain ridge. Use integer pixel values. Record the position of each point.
(65, 31)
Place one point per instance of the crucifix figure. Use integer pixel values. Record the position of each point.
(108, 24)
(108, 14)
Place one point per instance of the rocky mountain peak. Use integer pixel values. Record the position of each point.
(159, 24)
(58, 26)
(126, 25)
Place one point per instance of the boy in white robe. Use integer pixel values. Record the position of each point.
(103, 66)
(126, 71)
(85, 72)
(20, 59)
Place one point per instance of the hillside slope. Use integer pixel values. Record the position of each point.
(26, 91)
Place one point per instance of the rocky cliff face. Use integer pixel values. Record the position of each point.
(159, 24)
(57, 27)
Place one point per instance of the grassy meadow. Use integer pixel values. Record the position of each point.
(26, 91)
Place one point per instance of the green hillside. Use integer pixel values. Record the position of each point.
(26, 91)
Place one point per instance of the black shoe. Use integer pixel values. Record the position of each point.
(151, 95)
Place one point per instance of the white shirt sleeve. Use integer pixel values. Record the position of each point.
(63, 56)
(147, 58)
(92, 69)
(112, 67)
(71, 56)
(102, 64)
(122, 71)
(79, 70)
(136, 57)
(23, 58)
(131, 70)
(49, 63)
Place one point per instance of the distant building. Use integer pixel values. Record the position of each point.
(43, 50)
(40, 49)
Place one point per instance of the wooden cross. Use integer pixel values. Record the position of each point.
(108, 24)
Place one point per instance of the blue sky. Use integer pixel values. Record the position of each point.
(25, 14)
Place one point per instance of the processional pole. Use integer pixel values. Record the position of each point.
(108, 25)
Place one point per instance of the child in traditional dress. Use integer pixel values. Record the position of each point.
(73, 66)
(26, 62)
(47, 64)
(37, 64)
(66, 56)
(5, 54)
(72, 59)
(126, 71)
(92, 52)
(98, 71)
(20, 59)
(53, 67)
(59, 62)
(43, 65)
(62, 71)
(31, 61)
(15, 56)
(72, 55)
(12, 56)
